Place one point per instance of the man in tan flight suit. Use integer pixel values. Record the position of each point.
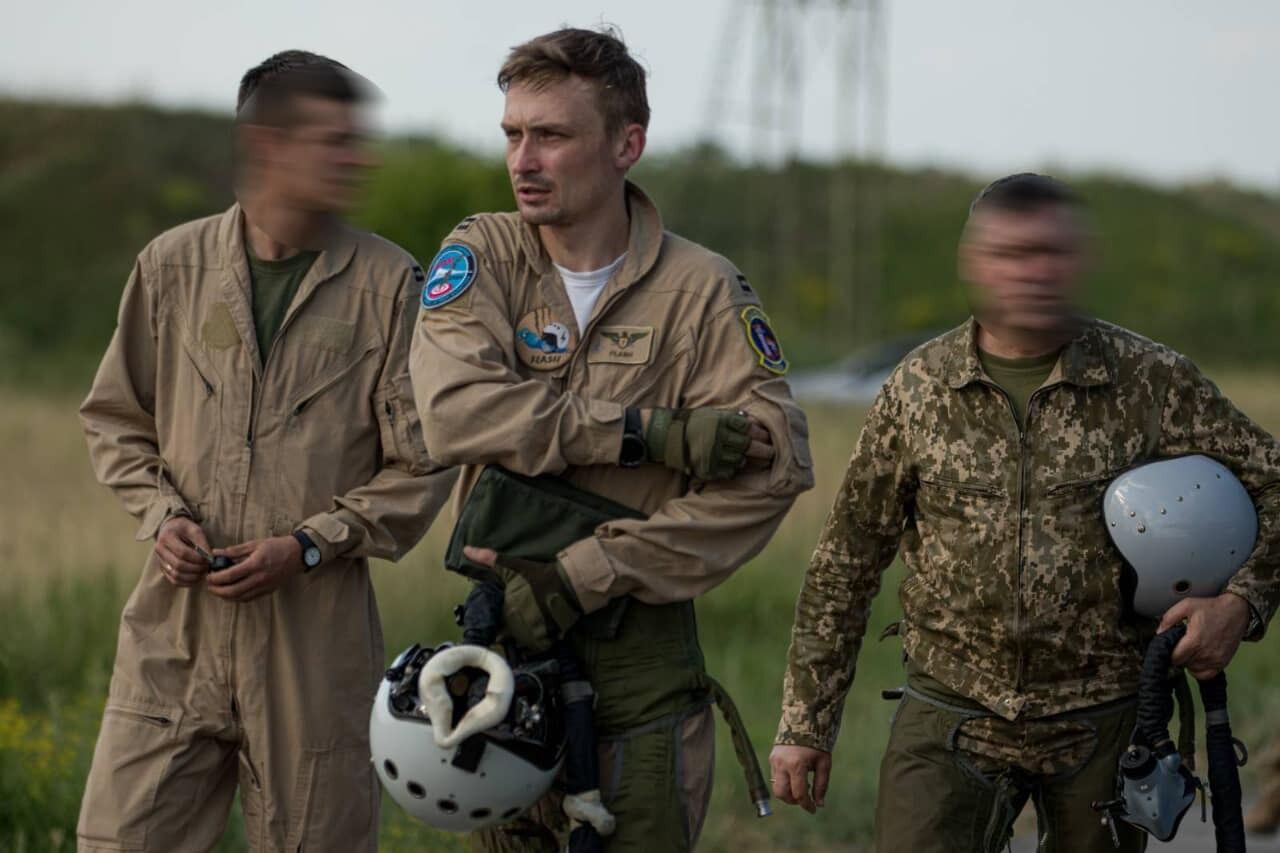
(521, 360)
(255, 405)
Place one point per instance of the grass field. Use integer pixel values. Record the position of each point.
(69, 562)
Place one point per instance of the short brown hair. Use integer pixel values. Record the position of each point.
(267, 90)
(598, 56)
(1024, 192)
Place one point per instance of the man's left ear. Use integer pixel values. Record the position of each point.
(631, 141)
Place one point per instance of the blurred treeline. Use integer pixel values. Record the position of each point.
(82, 190)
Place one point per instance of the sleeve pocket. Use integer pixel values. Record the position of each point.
(401, 430)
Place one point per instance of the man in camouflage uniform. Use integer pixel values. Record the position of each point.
(983, 461)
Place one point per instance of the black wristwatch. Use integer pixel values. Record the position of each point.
(634, 451)
(310, 551)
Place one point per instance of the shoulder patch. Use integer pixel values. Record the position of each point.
(741, 292)
(763, 341)
(449, 276)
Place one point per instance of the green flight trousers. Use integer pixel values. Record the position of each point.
(952, 781)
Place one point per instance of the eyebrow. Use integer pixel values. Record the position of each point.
(549, 125)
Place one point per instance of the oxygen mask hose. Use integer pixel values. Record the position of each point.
(1224, 766)
(1155, 693)
(1155, 708)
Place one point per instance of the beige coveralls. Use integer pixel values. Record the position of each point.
(672, 328)
(185, 417)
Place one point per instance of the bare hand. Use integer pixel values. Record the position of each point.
(790, 767)
(1215, 627)
(260, 567)
(483, 556)
(761, 451)
(181, 563)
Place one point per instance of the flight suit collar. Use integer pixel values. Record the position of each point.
(644, 242)
(237, 285)
(1083, 361)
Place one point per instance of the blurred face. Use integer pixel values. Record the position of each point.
(564, 167)
(319, 162)
(1023, 267)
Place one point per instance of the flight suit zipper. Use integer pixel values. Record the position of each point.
(1024, 446)
(1020, 556)
(255, 400)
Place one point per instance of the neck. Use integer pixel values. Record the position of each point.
(1020, 343)
(592, 243)
(275, 231)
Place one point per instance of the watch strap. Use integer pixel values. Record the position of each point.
(308, 544)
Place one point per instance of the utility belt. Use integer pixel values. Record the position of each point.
(643, 660)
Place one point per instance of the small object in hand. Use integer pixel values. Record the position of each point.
(216, 564)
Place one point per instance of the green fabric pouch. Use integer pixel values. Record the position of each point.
(533, 518)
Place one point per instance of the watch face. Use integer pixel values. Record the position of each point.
(632, 450)
(311, 557)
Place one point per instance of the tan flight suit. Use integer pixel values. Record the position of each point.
(184, 417)
(671, 329)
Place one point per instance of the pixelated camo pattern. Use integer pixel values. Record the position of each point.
(1012, 590)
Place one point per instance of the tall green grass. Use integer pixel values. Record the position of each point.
(60, 606)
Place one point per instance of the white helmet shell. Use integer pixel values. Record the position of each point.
(421, 774)
(1185, 525)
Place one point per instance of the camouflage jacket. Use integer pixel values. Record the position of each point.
(1012, 588)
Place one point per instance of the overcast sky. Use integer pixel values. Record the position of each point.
(1166, 89)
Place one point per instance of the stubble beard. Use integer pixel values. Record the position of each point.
(542, 215)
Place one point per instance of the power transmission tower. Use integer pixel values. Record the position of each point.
(777, 60)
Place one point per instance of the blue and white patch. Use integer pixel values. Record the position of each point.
(449, 275)
(763, 341)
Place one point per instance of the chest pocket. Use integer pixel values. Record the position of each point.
(966, 520)
(1076, 505)
(636, 365)
(336, 374)
(943, 498)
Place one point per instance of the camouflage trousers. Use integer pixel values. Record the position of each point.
(656, 779)
(954, 780)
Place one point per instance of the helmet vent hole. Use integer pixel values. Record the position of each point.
(447, 806)
(390, 767)
(510, 813)
(1182, 587)
(480, 814)
(417, 791)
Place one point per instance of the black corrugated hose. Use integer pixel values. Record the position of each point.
(1155, 707)
(1155, 692)
(1224, 771)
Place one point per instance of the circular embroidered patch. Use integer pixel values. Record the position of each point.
(763, 341)
(449, 275)
(542, 341)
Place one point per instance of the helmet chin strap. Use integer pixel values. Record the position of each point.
(437, 704)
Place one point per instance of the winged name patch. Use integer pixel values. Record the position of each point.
(621, 345)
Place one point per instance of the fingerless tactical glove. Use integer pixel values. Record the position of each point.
(709, 444)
